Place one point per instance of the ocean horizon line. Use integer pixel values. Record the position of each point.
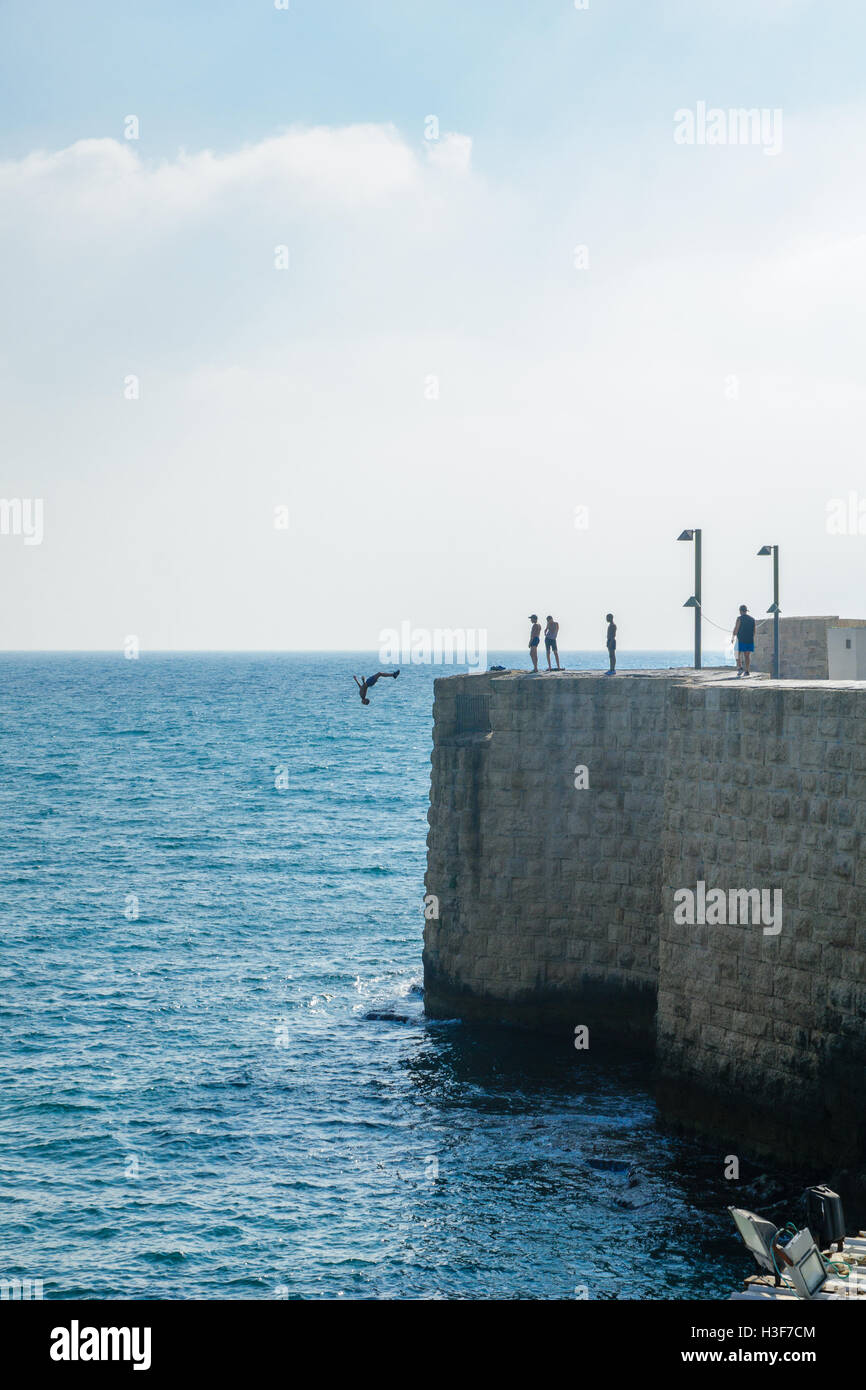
(319, 651)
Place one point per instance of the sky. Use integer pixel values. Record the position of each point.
(323, 320)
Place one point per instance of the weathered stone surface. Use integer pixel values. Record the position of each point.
(557, 903)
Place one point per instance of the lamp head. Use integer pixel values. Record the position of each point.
(686, 536)
(691, 603)
(765, 550)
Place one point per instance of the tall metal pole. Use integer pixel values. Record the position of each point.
(698, 598)
(775, 612)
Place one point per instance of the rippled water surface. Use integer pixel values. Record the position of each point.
(218, 1081)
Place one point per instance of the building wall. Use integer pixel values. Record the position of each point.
(846, 652)
(802, 646)
(556, 904)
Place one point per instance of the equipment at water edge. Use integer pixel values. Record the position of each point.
(825, 1217)
(806, 1269)
(758, 1235)
(794, 1257)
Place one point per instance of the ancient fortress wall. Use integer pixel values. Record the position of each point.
(556, 902)
(548, 895)
(766, 787)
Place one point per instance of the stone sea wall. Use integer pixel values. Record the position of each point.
(766, 788)
(556, 901)
(548, 895)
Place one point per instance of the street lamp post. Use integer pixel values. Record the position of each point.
(774, 607)
(695, 601)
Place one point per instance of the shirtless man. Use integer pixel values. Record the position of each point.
(364, 686)
(550, 635)
(534, 639)
(611, 644)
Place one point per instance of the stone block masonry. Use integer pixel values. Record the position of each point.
(766, 786)
(556, 902)
(548, 895)
(803, 647)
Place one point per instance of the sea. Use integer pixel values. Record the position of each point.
(218, 1080)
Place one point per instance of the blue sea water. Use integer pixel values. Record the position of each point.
(218, 1079)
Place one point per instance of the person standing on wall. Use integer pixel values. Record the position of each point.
(611, 644)
(550, 635)
(744, 636)
(534, 638)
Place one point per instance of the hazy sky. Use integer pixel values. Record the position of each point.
(439, 378)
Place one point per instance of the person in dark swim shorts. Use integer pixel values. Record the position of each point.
(551, 633)
(611, 644)
(534, 638)
(744, 635)
(364, 686)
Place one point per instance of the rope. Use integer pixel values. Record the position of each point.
(705, 619)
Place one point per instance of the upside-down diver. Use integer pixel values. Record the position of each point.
(364, 686)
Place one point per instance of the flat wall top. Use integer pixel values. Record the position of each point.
(787, 619)
(651, 673)
(709, 676)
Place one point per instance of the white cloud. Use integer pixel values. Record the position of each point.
(107, 182)
(453, 152)
(604, 387)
